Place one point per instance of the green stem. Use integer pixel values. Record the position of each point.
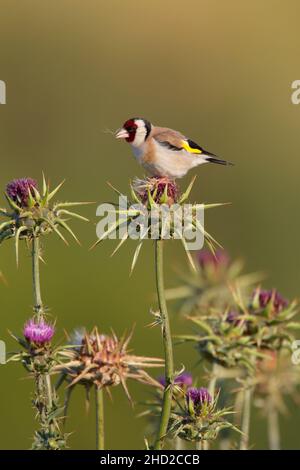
(168, 348)
(37, 298)
(99, 418)
(273, 428)
(43, 382)
(41, 401)
(48, 391)
(246, 419)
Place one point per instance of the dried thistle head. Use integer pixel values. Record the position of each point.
(31, 213)
(104, 361)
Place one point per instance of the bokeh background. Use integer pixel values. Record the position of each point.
(221, 72)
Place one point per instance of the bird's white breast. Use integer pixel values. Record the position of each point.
(165, 161)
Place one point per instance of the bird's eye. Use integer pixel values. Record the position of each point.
(130, 129)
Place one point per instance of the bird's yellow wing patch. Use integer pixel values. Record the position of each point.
(185, 144)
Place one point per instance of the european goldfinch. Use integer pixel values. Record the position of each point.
(164, 152)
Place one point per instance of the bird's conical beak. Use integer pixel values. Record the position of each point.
(122, 134)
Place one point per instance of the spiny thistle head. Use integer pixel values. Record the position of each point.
(156, 210)
(222, 339)
(18, 191)
(38, 331)
(183, 380)
(104, 361)
(156, 190)
(37, 354)
(208, 286)
(31, 213)
(237, 337)
(197, 418)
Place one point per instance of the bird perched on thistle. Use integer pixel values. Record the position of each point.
(164, 152)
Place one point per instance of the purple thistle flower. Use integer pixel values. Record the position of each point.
(198, 396)
(172, 189)
(18, 190)
(182, 380)
(156, 186)
(206, 259)
(38, 331)
(279, 303)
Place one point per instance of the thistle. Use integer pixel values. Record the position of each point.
(103, 361)
(39, 358)
(197, 418)
(276, 381)
(238, 336)
(144, 216)
(156, 190)
(182, 381)
(31, 214)
(269, 320)
(209, 284)
(183, 390)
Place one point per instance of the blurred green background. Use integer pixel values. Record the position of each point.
(221, 72)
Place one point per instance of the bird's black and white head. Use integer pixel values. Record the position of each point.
(135, 131)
